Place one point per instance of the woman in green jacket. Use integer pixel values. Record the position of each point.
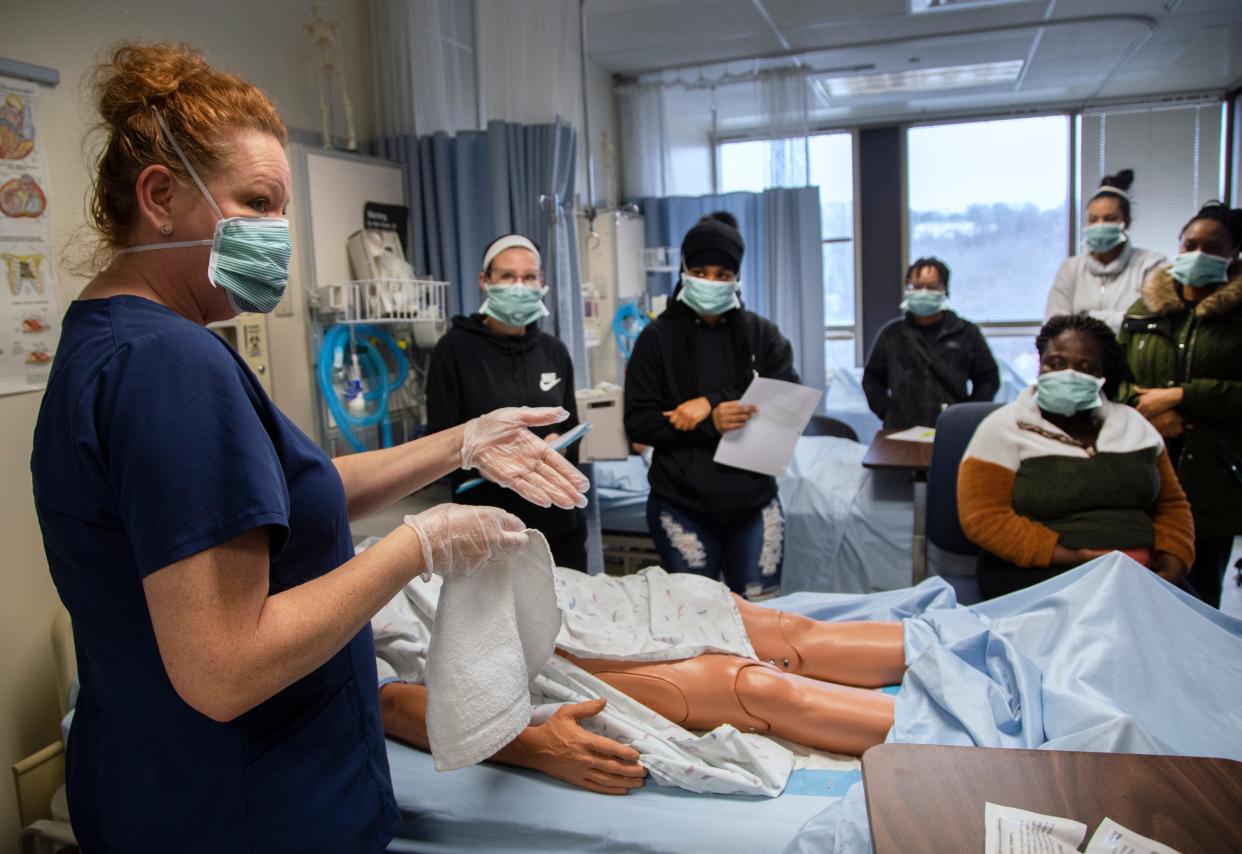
(1183, 339)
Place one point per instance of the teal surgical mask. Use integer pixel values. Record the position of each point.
(707, 297)
(1199, 269)
(1068, 392)
(249, 255)
(1104, 236)
(514, 305)
(924, 303)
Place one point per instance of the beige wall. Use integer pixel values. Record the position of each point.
(262, 41)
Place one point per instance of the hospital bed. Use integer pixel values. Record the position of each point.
(847, 529)
(1107, 657)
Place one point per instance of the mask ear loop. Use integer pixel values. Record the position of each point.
(172, 140)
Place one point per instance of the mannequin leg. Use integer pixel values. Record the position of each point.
(704, 692)
(866, 654)
(818, 714)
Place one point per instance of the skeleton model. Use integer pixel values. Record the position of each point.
(331, 66)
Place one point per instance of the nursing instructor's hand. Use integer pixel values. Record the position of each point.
(457, 539)
(690, 414)
(504, 451)
(561, 748)
(732, 414)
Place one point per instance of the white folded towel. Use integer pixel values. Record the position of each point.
(495, 629)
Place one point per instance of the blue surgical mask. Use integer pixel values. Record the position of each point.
(514, 305)
(1199, 269)
(1068, 392)
(249, 255)
(707, 297)
(923, 303)
(1104, 236)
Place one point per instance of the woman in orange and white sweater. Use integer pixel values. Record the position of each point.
(1063, 475)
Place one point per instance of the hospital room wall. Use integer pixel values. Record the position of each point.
(263, 42)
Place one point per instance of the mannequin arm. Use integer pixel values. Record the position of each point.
(559, 747)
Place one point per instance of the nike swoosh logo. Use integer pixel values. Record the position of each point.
(548, 385)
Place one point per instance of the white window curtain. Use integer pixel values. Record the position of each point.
(784, 111)
(1176, 156)
(423, 67)
(646, 170)
(530, 60)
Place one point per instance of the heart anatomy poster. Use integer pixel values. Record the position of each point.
(30, 313)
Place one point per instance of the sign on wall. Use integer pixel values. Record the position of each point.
(30, 313)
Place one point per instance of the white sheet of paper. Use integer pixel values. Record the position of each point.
(1009, 830)
(1111, 838)
(766, 443)
(923, 435)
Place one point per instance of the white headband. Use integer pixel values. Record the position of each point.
(1115, 190)
(509, 241)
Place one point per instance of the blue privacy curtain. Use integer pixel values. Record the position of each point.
(467, 189)
(782, 268)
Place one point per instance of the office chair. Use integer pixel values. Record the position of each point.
(822, 425)
(954, 428)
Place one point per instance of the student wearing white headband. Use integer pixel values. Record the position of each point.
(500, 354)
(1104, 279)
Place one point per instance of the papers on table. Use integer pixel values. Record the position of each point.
(922, 435)
(1112, 838)
(1010, 830)
(766, 443)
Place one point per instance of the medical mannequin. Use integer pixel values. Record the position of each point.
(810, 685)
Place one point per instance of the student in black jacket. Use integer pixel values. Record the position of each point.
(922, 361)
(499, 357)
(682, 387)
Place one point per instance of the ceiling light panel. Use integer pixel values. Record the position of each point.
(918, 7)
(924, 79)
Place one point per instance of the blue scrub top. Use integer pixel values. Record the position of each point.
(155, 442)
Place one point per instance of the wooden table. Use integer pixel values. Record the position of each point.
(923, 797)
(915, 457)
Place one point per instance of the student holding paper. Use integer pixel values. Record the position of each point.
(682, 387)
(500, 357)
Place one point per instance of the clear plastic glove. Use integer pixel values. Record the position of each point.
(505, 452)
(457, 539)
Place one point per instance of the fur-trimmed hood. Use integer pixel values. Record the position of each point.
(1160, 295)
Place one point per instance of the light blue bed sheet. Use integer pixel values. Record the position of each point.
(486, 808)
(622, 489)
(1107, 657)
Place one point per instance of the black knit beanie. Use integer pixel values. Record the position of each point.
(714, 241)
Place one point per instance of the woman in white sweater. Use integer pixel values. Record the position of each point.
(1104, 280)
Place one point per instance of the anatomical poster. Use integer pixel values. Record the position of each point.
(30, 311)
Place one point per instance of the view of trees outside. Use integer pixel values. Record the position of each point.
(991, 200)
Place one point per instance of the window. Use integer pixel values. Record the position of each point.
(990, 199)
(1175, 153)
(824, 160)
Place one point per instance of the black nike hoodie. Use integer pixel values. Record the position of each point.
(475, 370)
